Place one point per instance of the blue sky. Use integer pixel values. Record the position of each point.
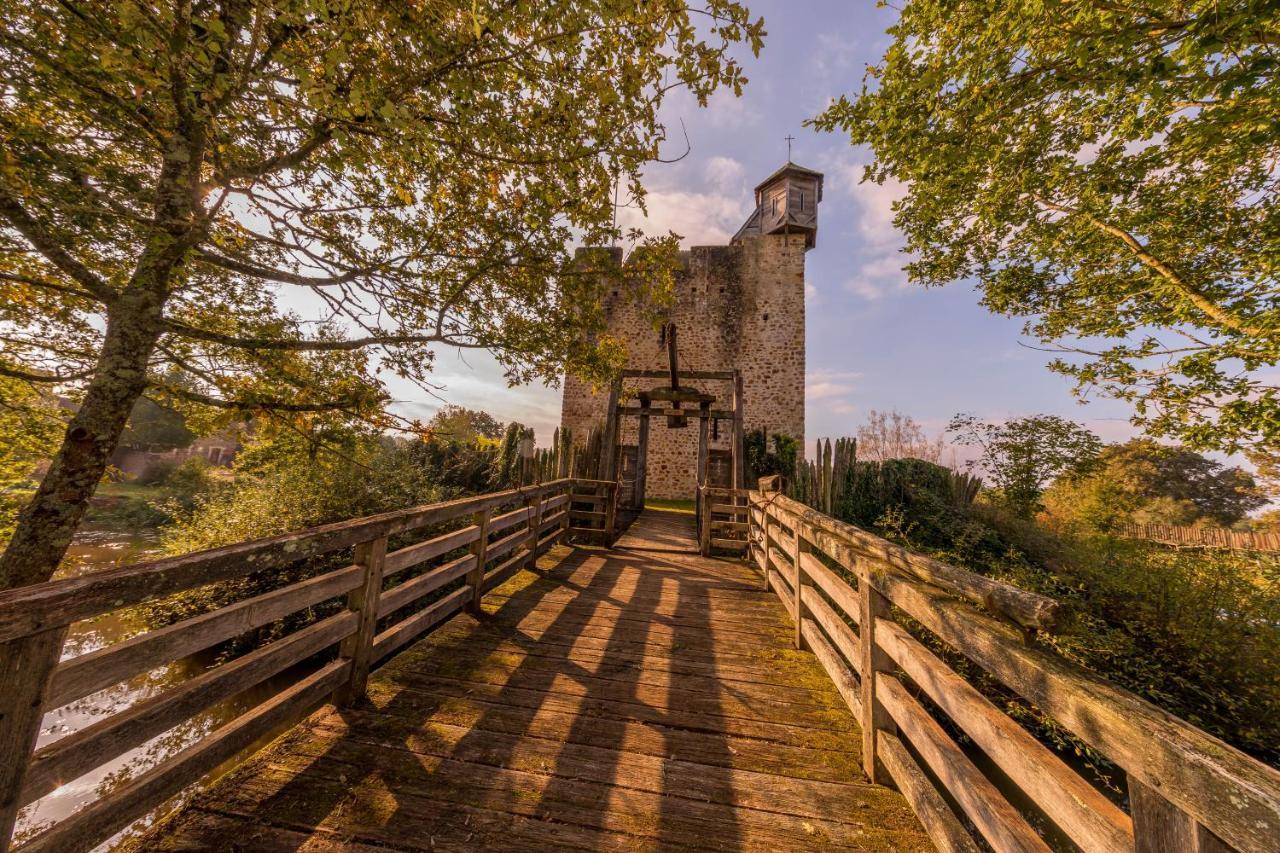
(874, 342)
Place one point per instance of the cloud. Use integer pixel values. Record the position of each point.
(880, 277)
(826, 384)
(706, 211)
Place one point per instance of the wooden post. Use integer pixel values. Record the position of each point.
(642, 454)
(704, 437)
(475, 577)
(363, 600)
(797, 581)
(535, 519)
(739, 435)
(610, 512)
(26, 665)
(704, 532)
(1159, 826)
(874, 660)
(612, 433)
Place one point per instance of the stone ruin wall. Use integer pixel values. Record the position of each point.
(736, 307)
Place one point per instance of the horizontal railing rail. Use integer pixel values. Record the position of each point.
(847, 591)
(391, 598)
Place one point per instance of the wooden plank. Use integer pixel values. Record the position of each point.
(415, 555)
(728, 509)
(840, 674)
(409, 629)
(29, 609)
(683, 374)
(499, 523)
(85, 674)
(945, 830)
(108, 815)
(718, 414)
(1000, 823)
(1231, 794)
(846, 598)
(1079, 809)
(841, 635)
(507, 544)
(74, 755)
(1161, 827)
(357, 647)
(846, 544)
(728, 544)
(580, 515)
(402, 595)
(26, 667)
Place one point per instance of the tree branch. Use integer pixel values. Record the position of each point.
(28, 226)
(1207, 306)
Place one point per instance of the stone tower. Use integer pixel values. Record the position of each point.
(736, 307)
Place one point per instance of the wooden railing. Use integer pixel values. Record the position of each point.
(593, 511)
(1188, 791)
(1204, 537)
(500, 533)
(722, 519)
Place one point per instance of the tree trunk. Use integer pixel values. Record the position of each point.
(47, 523)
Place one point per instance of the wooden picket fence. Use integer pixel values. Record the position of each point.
(1204, 537)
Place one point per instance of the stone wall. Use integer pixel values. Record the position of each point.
(739, 307)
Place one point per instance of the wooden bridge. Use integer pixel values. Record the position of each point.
(543, 686)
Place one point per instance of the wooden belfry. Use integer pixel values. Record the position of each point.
(675, 400)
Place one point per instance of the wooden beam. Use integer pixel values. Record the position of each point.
(363, 600)
(718, 414)
(642, 458)
(683, 374)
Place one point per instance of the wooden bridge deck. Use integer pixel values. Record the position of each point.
(639, 698)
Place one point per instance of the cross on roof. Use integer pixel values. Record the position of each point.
(790, 139)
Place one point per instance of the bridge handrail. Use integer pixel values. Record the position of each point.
(376, 622)
(1187, 789)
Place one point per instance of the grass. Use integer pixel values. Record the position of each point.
(674, 506)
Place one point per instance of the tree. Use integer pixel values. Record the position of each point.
(152, 426)
(1022, 455)
(1266, 461)
(30, 423)
(1142, 481)
(460, 425)
(1107, 171)
(893, 435)
(171, 175)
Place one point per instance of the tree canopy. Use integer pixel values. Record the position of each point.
(1023, 455)
(1108, 171)
(1145, 482)
(181, 186)
(459, 425)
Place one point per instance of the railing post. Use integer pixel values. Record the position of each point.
(475, 577)
(26, 665)
(610, 513)
(704, 531)
(874, 660)
(363, 600)
(534, 502)
(1159, 826)
(797, 583)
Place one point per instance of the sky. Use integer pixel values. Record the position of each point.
(873, 341)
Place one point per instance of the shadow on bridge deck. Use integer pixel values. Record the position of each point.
(639, 698)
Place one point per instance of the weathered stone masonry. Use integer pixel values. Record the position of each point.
(737, 307)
